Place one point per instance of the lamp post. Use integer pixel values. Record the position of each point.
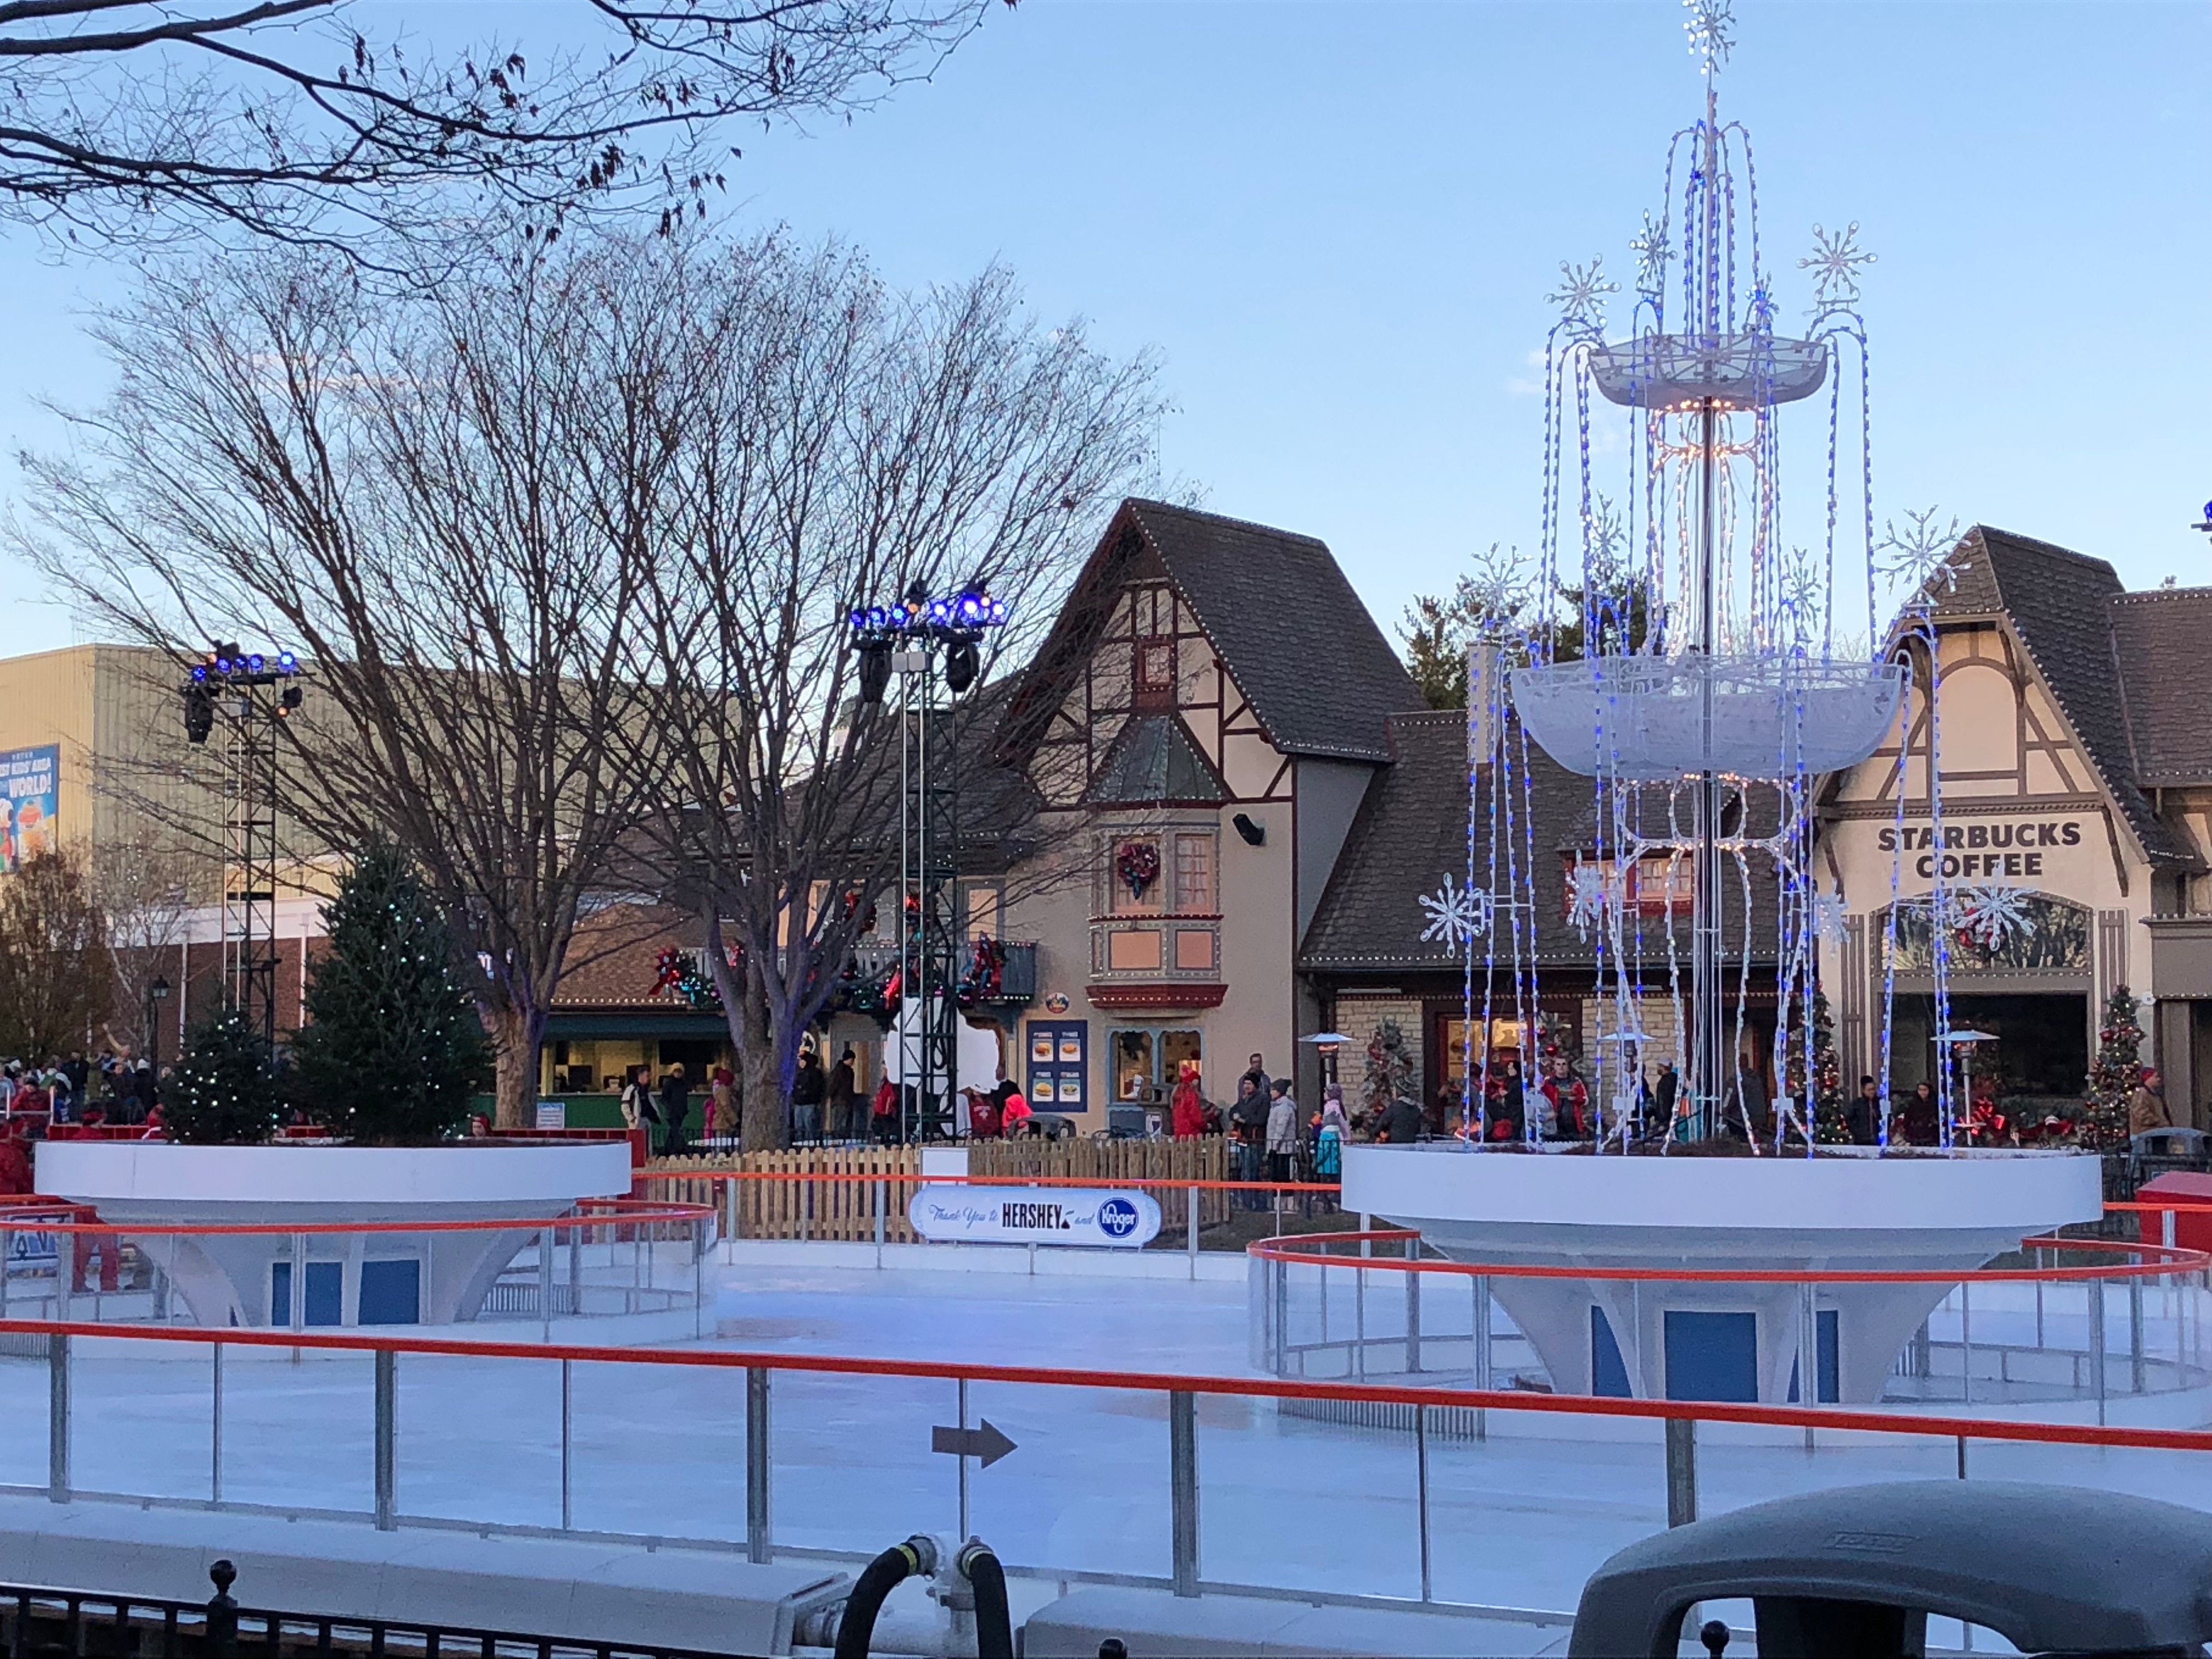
(156, 994)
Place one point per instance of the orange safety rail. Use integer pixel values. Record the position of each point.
(1511, 1400)
(598, 1213)
(920, 1179)
(1312, 1249)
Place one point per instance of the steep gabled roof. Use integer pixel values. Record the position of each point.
(2162, 640)
(2060, 604)
(1319, 675)
(1154, 763)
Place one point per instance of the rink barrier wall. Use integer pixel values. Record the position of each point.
(1182, 1450)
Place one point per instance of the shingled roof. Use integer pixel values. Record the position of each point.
(2062, 605)
(2163, 641)
(1154, 763)
(1319, 675)
(1411, 834)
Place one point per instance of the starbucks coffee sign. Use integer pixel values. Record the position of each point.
(1984, 849)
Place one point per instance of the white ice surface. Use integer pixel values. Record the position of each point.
(1516, 1521)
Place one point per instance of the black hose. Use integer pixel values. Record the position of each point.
(856, 1628)
(994, 1626)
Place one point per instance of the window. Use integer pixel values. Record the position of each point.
(1665, 886)
(1659, 884)
(1156, 668)
(1133, 884)
(1132, 1065)
(1147, 1063)
(1193, 875)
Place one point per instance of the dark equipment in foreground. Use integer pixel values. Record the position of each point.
(1859, 1571)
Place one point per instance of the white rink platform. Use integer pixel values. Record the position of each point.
(1519, 1521)
(1843, 1215)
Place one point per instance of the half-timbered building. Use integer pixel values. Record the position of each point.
(1202, 724)
(2072, 733)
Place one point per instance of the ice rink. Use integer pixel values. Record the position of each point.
(1516, 1521)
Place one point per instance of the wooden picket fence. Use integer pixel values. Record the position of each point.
(845, 1209)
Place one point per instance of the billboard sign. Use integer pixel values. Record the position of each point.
(949, 1214)
(30, 795)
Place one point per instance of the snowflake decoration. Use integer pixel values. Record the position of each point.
(1496, 590)
(1835, 262)
(1711, 26)
(1589, 897)
(1581, 294)
(1922, 548)
(1990, 913)
(1457, 915)
(1652, 254)
(1827, 919)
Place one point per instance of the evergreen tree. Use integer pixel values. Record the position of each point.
(2114, 1076)
(224, 1092)
(392, 1048)
(1829, 1126)
(1390, 1074)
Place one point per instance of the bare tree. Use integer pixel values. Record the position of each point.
(54, 980)
(297, 119)
(143, 888)
(846, 443)
(444, 500)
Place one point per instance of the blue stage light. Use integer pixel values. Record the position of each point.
(222, 665)
(286, 662)
(199, 670)
(254, 663)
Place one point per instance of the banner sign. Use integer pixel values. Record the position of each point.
(29, 796)
(28, 1252)
(1035, 1215)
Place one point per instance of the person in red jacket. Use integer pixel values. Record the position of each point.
(1188, 1104)
(15, 1164)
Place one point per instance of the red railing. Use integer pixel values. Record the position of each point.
(1511, 1400)
(1313, 1249)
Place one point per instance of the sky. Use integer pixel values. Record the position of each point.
(1336, 223)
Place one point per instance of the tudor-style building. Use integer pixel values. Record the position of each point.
(1202, 724)
(2076, 752)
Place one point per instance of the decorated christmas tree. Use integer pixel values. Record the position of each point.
(392, 1048)
(224, 1093)
(1389, 1072)
(1829, 1126)
(2114, 1075)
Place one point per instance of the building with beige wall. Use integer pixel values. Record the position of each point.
(1201, 725)
(2072, 737)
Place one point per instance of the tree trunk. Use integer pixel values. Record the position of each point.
(765, 1118)
(516, 1040)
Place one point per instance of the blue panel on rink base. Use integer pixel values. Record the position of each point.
(1825, 1325)
(1608, 1372)
(1712, 1356)
(391, 1292)
(324, 1302)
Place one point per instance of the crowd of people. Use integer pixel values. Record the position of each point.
(108, 1090)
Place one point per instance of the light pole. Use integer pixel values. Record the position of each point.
(156, 994)
(258, 691)
(909, 638)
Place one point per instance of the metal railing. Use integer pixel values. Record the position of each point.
(2084, 1321)
(42, 1618)
(1197, 1438)
(608, 1257)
